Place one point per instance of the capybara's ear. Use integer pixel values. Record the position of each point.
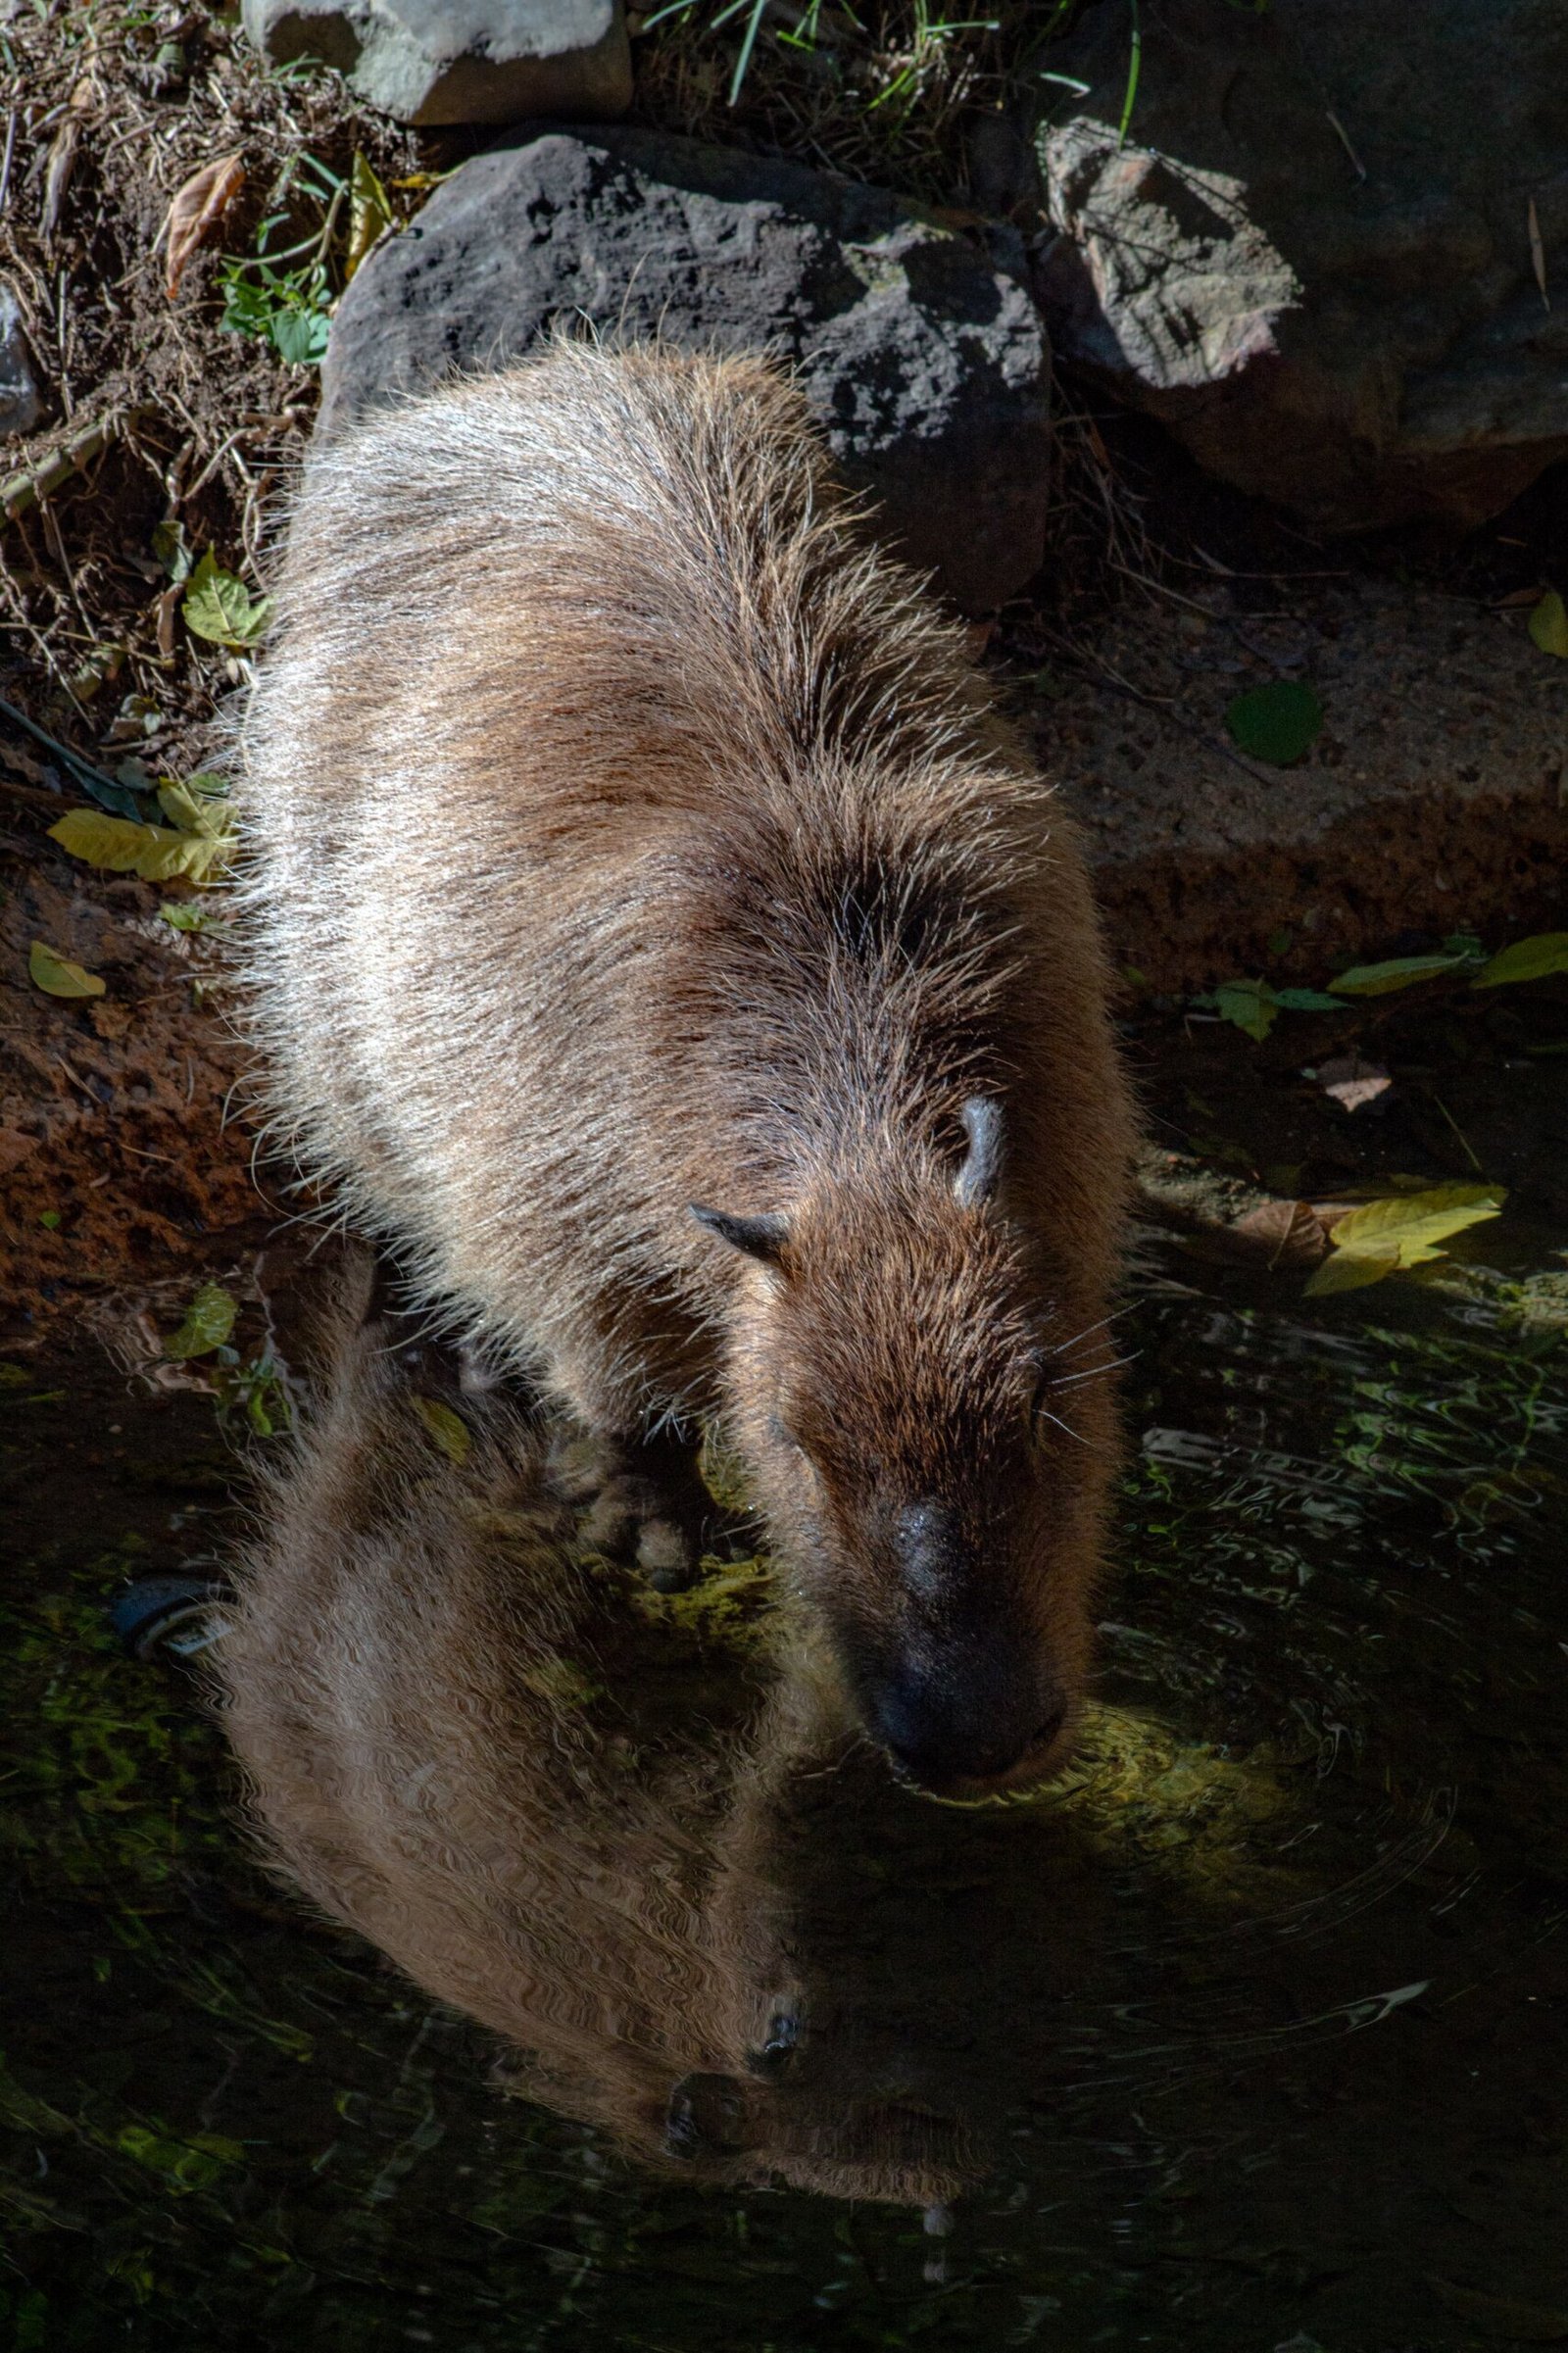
(758, 1236)
(976, 1182)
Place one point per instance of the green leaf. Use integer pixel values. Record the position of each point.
(1526, 959)
(209, 1321)
(1250, 1004)
(169, 546)
(58, 976)
(449, 1429)
(1549, 626)
(1403, 1230)
(1309, 1001)
(300, 336)
(181, 914)
(222, 609)
(119, 846)
(1277, 722)
(199, 805)
(1400, 973)
(370, 213)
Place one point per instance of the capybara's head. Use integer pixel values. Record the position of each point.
(933, 1443)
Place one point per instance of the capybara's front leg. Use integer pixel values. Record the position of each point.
(645, 1500)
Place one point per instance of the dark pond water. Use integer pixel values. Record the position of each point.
(1249, 2034)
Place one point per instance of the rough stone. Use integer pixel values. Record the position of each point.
(1312, 255)
(20, 405)
(1436, 799)
(460, 61)
(925, 362)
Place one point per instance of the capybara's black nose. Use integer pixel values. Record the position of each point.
(942, 1730)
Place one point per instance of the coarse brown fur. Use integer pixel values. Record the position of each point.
(624, 833)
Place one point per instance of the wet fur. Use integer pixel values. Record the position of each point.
(624, 832)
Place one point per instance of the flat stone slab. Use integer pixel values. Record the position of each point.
(459, 61)
(927, 364)
(1435, 801)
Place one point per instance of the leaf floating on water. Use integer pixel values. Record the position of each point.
(58, 976)
(1278, 722)
(1352, 1271)
(209, 1321)
(222, 609)
(370, 213)
(1283, 1232)
(1526, 959)
(1500, 2316)
(1398, 972)
(198, 208)
(1549, 626)
(121, 845)
(1405, 1230)
(449, 1429)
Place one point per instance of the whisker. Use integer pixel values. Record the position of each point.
(1093, 1372)
(1078, 1338)
(1046, 1415)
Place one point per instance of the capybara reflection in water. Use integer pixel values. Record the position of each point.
(661, 944)
(553, 1813)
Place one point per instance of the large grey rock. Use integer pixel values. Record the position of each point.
(460, 61)
(19, 405)
(927, 364)
(1312, 255)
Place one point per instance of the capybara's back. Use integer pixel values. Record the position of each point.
(661, 944)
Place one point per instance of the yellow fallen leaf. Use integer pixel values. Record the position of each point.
(198, 208)
(370, 213)
(1405, 1230)
(1351, 1270)
(121, 845)
(449, 1429)
(1526, 959)
(1549, 626)
(58, 976)
(192, 808)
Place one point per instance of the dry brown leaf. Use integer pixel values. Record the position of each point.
(198, 208)
(1282, 1232)
(1352, 1083)
(60, 161)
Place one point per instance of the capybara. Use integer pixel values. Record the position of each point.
(661, 946)
(467, 1746)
